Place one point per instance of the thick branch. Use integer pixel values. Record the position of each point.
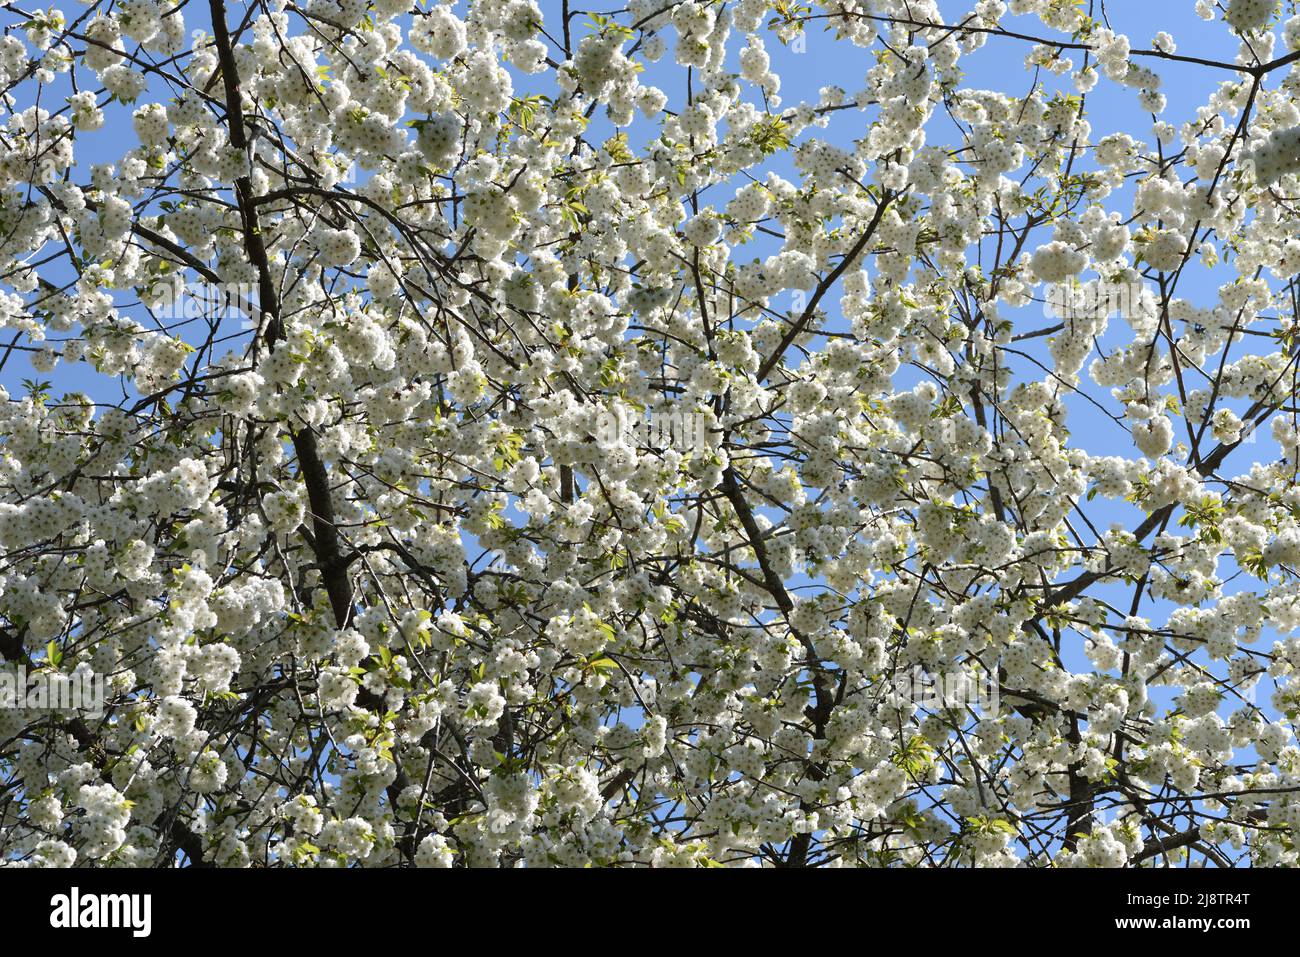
(798, 326)
(333, 567)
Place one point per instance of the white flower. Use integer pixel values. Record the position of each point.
(1247, 16)
(175, 717)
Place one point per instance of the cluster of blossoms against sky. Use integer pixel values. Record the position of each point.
(607, 436)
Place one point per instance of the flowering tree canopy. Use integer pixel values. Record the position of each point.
(484, 434)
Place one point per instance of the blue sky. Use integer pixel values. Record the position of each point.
(805, 67)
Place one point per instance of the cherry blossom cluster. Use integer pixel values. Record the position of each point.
(372, 582)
